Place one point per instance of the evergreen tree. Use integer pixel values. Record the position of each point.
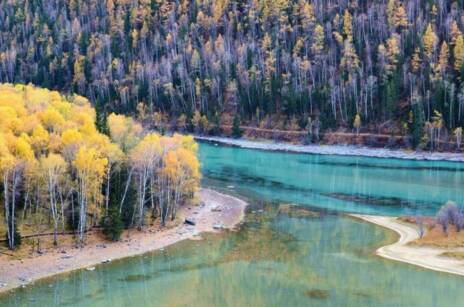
(236, 130)
(418, 122)
(112, 224)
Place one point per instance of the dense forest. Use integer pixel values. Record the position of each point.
(60, 171)
(283, 64)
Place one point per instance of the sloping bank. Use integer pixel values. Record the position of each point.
(342, 150)
(218, 211)
(426, 257)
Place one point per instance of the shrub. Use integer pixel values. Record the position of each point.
(450, 214)
(112, 225)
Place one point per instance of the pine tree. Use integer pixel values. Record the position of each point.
(393, 51)
(418, 121)
(459, 54)
(416, 61)
(112, 225)
(455, 32)
(430, 41)
(236, 130)
(357, 123)
(347, 25)
(443, 59)
(318, 43)
(401, 18)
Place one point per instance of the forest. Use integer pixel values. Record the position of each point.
(394, 66)
(60, 171)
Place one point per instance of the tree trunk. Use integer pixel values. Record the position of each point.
(7, 208)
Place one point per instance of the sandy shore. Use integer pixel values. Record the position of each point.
(426, 257)
(340, 150)
(219, 211)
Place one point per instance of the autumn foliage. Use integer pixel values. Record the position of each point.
(54, 162)
(270, 62)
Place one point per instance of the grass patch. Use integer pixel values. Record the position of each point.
(455, 255)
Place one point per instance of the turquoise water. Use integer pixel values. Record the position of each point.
(283, 255)
(341, 183)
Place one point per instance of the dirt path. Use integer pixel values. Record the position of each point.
(426, 257)
(217, 211)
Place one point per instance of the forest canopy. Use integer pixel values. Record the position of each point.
(394, 61)
(55, 163)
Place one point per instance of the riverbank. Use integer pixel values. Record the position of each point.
(427, 257)
(342, 150)
(216, 211)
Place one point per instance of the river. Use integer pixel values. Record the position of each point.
(296, 246)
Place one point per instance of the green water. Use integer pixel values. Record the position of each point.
(298, 255)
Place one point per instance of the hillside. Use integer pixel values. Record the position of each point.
(388, 67)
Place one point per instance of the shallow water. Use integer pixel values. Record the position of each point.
(341, 183)
(283, 255)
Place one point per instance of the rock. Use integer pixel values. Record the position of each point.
(230, 186)
(25, 279)
(63, 252)
(92, 268)
(218, 226)
(190, 221)
(107, 260)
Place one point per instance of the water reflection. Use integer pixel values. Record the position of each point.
(284, 254)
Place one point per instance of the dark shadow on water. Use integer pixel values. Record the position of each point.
(317, 294)
(456, 169)
(135, 277)
(229, 175)
(393, 202)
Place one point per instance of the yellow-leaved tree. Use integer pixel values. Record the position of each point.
(53, 156)
(90, 168)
